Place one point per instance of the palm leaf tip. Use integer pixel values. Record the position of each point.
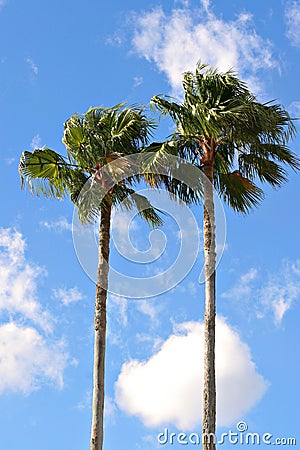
(44, 172)
(239, 192)
(145, 209)
(152, 217)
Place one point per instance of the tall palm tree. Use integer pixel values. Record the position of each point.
(233, 139)
(93, 141)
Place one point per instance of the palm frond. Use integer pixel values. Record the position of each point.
(239, 192)
(44, 172)
(252, 165)
(247, 135)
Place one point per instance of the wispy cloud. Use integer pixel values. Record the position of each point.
(32, 66)
(292, 17)
(110, 407)
(29, 355)
(57, 226)
(117, 307)
(68, 296)
(10, 161)
(117, 311)
(268, 292)
(294, 108)
(165, 388)
(137, 81)
(175, 41)
(86, 402)
(279, 293)
(244, 286)
(36, 141)
(147, 307)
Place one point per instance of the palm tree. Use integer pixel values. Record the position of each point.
(233, 139)
(97, 144)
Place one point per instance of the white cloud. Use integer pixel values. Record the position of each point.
(18, 281)
(184, 3)
(117, 307)
(137, 81)
(244, 286)
(206, 4)
(122, 222)
(57, 226)
(109, 407)
(115, 40)
(10, 161)
(32, 66)
(68, 296)
(275, 294)
(35, 142)
(294, 108)
(167, 388)
(279, 293)
(176, 41)
(292, 17)
(147, 307)
(26, 359)
(153, 341)
(192, 288)
(86, 402)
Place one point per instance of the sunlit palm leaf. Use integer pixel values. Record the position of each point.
(44, 172)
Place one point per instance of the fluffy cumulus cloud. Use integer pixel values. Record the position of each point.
(167, 388)
(18, 282)
(269, 293)
(28, 353)
(175, 41)
(27, 360)
(292, 16)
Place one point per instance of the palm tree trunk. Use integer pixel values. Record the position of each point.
(209, 388)
(100, 329)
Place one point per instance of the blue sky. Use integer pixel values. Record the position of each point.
(61, 57)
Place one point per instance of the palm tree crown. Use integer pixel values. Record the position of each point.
(93, 141)
(220, 122)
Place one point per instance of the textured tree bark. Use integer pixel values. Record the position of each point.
(209, 388)
(100, 330)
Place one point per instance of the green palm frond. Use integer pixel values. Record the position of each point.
(44, 172)
(247, 135)
(252, 166)
(101, 132)
(92, 197)
(239, 192)
(97, 144)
